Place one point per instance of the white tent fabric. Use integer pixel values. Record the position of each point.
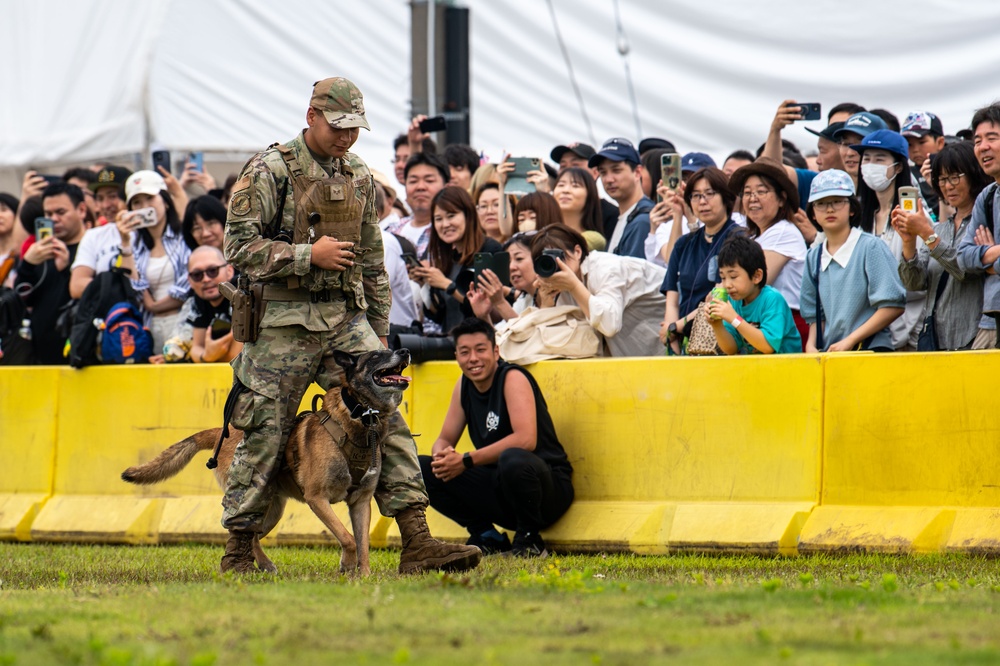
(86, 79)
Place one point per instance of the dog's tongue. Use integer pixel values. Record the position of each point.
(399, 378)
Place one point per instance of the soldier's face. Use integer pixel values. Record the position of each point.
(327, 141)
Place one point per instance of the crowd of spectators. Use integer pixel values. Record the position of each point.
(883, 239)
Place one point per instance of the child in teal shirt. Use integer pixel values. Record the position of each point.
(756, 319)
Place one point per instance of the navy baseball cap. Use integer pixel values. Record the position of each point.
(616, 150)
(695, 162)
(885, 140)
(862, 124)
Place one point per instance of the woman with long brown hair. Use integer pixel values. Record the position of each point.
(455, 239)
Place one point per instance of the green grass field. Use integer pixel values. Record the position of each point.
(62, 604)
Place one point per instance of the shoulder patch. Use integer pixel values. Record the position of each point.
(241, 202)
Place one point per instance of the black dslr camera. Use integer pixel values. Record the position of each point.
(545, 265)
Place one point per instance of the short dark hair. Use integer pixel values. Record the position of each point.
(430, 159)
(428, 145)
(891, 121)
(957, 158)
(786, 146)
(74, 192)
(794, 159)
(849, 108)
(741, 250)
(30, 209)
(9, 200)
(460, 154)
(987, 114)
(855, 213)
(718, 181)
(740, 154)
(471, 326)
(559, 236)
(81, 173)
(207, 208)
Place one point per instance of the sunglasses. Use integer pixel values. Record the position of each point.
(212, 273)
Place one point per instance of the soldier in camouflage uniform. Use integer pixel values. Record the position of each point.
(302, 221)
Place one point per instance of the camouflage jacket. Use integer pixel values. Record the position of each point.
(251, 248)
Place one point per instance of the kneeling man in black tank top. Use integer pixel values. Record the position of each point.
(518, 477)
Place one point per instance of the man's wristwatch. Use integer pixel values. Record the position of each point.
(467, 460)
(930, 240)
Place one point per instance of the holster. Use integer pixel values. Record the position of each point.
(248, 309)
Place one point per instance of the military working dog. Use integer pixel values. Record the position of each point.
(333, 454)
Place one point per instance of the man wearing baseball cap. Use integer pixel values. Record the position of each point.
(856, 128)
(303, 225)
(924, 135)
(618, 165)
(109, 192)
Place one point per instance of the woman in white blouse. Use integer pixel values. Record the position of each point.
(769, 200)
(619, 296)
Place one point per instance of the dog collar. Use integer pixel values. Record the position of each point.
(367, 415)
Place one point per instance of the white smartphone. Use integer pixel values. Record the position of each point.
(908, 199)
(147, 217)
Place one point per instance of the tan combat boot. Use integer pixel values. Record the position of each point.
(422, 552)
(239, 553)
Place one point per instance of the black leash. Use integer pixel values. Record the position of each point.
(227, 414)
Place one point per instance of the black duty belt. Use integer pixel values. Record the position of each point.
(274, 292)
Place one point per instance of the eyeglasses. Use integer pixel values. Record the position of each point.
(704, 196)
(760, 193)
(952, 180)
(482, 208)
(830, 204)
(212, 273)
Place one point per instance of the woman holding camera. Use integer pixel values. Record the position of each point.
(153, 248)
(619, 296)
(455, 239)
(693, 268)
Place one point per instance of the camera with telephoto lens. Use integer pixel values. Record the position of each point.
(424, 348)
(546, 265)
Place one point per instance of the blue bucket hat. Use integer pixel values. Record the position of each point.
(863, 124)
(831, 183)
(887, 140)
(616, 150)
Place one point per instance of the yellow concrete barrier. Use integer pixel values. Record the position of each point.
(705, 454)
(911, 457)
(28, 417)
(111, 418)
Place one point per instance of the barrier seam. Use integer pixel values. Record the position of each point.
(822, 432)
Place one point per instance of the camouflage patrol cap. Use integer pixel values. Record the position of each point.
(341, 102)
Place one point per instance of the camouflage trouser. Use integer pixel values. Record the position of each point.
(278, 368)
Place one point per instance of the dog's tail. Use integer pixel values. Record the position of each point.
(172, 460)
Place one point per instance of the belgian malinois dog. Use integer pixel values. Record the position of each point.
(332, 455)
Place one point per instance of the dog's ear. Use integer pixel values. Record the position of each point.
(346, 360)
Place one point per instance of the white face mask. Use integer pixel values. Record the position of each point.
(875, 176)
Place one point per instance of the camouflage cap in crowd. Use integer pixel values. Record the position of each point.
(112, 176)
(341, 103)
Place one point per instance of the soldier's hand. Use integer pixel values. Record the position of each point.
(330, 254)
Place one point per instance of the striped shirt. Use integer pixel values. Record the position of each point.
(177, 251)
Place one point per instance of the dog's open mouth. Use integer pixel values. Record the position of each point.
(392, 377)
